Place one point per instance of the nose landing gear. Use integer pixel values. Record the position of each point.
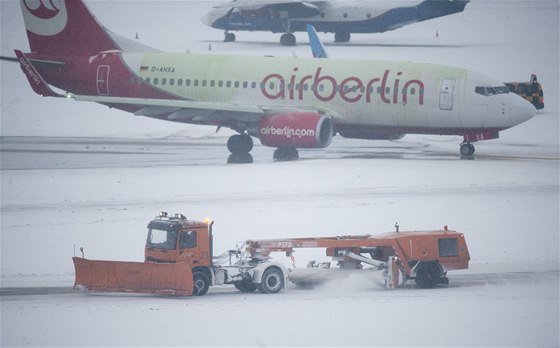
(466, 149)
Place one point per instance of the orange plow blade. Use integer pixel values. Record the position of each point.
(142, 277)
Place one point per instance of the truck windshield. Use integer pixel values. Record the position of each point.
(162, 239)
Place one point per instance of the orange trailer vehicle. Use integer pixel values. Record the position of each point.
(179, 260)
(424, 256)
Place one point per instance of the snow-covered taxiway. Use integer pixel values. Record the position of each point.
(75, 174)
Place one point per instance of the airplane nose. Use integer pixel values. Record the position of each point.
(211, 17)
(521, 109)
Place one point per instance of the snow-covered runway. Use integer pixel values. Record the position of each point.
(80, 175)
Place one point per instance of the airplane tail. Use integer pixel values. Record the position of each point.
(60, 28)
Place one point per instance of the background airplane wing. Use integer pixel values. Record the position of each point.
(293, 8)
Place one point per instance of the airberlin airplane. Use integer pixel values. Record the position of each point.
(287, 103)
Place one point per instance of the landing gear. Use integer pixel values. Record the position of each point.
(467, 149)
(285, 154)
(341, 37)
(240, 145)
(288, 39)
(229, 37)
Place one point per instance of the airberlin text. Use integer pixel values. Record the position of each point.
(29, 70)
(287, 132)
(351, 89)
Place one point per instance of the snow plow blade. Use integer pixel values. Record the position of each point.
(138, 277)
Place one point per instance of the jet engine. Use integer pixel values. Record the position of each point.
(295, 130)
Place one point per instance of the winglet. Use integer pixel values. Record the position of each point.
(35, 79)
(317, 47)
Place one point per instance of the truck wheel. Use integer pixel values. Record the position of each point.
(427, 275)
(201, 283)
(246, 285)
(272, 281)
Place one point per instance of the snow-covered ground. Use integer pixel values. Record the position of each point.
(77, 174)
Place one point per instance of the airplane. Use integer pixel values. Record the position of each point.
(341, 17)
(285, 102)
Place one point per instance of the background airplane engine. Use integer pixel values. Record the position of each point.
(296, 130)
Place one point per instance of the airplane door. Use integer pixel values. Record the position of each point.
(103, 79)
(446, 94)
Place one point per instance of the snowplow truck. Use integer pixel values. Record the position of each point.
(179, 260)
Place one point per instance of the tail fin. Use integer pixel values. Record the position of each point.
(64, 27)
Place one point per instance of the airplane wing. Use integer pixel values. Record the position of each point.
(199, 112)
(294, 8)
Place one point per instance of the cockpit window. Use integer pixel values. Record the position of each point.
(488, 91)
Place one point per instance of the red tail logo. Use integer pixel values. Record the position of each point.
(58, 28)
(45, 9)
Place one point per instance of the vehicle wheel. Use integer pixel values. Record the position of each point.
(201, 283)
(427, 275)
(272, 281)
(288, 39)
(246, 285)
(229, 37)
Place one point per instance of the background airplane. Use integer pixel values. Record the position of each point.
(339, 17)
(286, 103)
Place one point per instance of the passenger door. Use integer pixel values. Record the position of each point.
(446, 94)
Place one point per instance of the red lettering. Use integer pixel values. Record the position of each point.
(317, 81)
(346, 88)
(383, 85)
(420, 91)
(266, 81)
(351, 89)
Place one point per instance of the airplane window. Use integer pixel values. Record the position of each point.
(171, 82)
(412, 91)
(163, 81)
(187, 82)
(387, 90)
(236, 84)
(220, 83)
(321, 88)
(379, 90)
(180, 82)
(147, 80)
(245, 83)
(253, 84)
(212, 83)
(156, 80)
(195, 83)
(228, 84)
(203, 83)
